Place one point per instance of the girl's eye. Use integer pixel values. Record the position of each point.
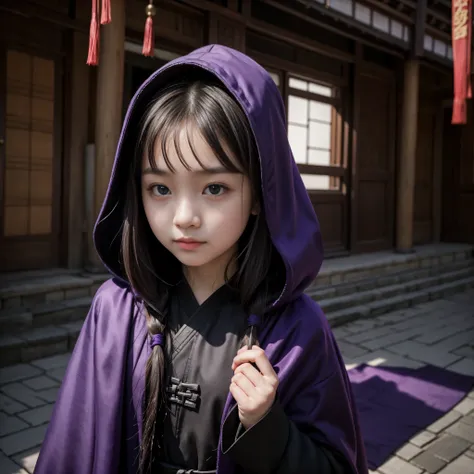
(160, 190)
(215, 189)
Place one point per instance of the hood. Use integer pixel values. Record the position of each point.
(291, 219)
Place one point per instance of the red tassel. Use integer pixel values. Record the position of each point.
(106, 16)
(148, 39)
(459, 112)
(93, 56)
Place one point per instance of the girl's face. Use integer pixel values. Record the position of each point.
(198, 214)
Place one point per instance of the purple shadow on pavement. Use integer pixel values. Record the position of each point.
(396, 403)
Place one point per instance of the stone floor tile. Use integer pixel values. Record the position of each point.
(10, 424)
(468, 419)
(26, 439)
(422, 439)
(423, 353)
(17, 372)
(7, 466)
(448, 447)
(395, 465)
(368, 335)
(57, 374)
(37, 416)
(464, 366)
(466, 351)
(390, 339)
(28, 459)
(54, 362)
(48, 395)
(470, 453)
(408, 451)
(22, 394)
(40, 383)
(340, 333)
(350, 350)
(465, 406)
(445, 421)
(461, 465)
(428, 462)
(462, 430)
(458, 340)
(10, 406)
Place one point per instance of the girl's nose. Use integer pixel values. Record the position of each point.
(186, 215)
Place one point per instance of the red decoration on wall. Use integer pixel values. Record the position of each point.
(93, 55)
(149, 36)
(106, 16)
(461, 39)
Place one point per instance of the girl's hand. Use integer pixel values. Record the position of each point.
(253, 389)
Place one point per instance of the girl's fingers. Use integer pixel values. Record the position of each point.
(250, 372)
(257, 356)
(244, 384)
(239, 395)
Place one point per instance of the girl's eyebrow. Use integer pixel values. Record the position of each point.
(206, 171)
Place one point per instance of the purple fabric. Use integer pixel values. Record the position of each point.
(156, 340)
(254, 320)
(98, 417)
(395, 403)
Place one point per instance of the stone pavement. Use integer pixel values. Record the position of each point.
(440, 333)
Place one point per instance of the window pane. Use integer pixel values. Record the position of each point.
(320, 111)
(428, 42)
(380, 22)
(320, 135)
(319, 89)
(314, 182)
(298, 84)
(343, 6)
(397, 29)
(319, 157)
(297, 110)
(440, 47)
(362, 13)
(275, 77)
(297, 137)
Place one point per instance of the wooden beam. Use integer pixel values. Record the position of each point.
(109, 95)
(419, 33)
(407, 159)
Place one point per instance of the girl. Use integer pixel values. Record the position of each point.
(202, 354)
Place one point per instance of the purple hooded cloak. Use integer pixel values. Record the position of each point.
(97, 421)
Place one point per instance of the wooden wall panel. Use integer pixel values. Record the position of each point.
(332, 215)
(423, 203)
(458, 179)
(226, 31)
(373, 210)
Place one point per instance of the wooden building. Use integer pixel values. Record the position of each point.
(368, 89)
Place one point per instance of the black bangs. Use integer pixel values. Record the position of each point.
(165, 123)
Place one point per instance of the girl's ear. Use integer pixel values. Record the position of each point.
(255, 209)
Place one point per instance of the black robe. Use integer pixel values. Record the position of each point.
(202, 342)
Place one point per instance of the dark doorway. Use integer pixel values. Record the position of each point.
(138, 69)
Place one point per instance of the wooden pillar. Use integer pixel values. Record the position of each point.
(109, 100)
(407, 160)
(77, 133)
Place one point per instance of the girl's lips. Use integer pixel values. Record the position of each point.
(188, 244)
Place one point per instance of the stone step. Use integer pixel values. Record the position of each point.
(364, 266)
(406, 300)
(28, 293)
(390, 278)
(357, 298)
(13, 320)
(38, 343)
